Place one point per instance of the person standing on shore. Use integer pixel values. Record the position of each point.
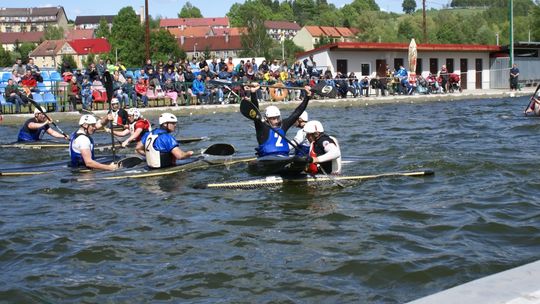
(514, 74)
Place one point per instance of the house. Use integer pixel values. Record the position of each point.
(219, 46)
(79, 34)
(197, 31)
(278, 29)
(231, 31)
(49, 53)
(309, 36)
(9, 40)
(32, 19)
(92, 22)
(217, 22)
(370, 59)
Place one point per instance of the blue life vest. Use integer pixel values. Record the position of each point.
(76, 158)
(158, 145)
(275, 144)
(27, 134)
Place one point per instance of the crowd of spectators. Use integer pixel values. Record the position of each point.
(215, 81)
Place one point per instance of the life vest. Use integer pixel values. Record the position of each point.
(317, 149)
(76, 158)
(156, 159)
(303, 145)
(275, 144)
(27, 134)
(140, 124)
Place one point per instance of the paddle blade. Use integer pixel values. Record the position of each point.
(129, 162)
(325, 90)
(220, 150)
(249, 110)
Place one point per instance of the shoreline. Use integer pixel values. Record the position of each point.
(15, 119)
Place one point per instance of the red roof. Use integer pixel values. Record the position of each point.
(10, 38)
(87, 46)
(178, 22)
(393, 46)
(196, 31)
(232, 31)
(214, 43)
(330, 31)
(48, 48)
(282, 25)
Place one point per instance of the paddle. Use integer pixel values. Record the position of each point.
(532, 98)
(129, 162)
(107, 77)
(321, 89)
(47, 116)
(249, 110)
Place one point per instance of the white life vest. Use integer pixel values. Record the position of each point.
(153, 157)
(336, 163)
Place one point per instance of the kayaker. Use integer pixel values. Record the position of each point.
(324, 150)
(270, 142)
(120, 116)
(300, 139)
(160, 146)
(138, 126)
(81, 146)
(34, 128)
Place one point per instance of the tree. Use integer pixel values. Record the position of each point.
(256, 42)
(163, 45)
(322, 41)
(69, 59)
(103, 30)
(207, 52)
(22, 50)
(189, 11)
(53, 33)
(409, 6)
(242, 14)
(127, 36)
(5, 58)
(91, 58)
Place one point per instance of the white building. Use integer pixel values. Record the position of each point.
(472, 62)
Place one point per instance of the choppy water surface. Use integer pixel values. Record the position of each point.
(388, 240)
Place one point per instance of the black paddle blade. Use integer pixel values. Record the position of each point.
(220, 150)
(249, 110)
(220, 82)
(108, 84)
(129, 162)
(325, 90)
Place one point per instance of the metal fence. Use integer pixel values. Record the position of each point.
(529, 72)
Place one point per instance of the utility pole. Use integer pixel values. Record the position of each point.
(424, 21)
(147, 31)
(511, 17)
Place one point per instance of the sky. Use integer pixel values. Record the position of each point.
(170, 8)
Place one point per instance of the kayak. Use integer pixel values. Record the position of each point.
(200, 162)
(45, 144)
(49, 167)
(304, 179)
(277, 165)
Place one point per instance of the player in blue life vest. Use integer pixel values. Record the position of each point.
(270, 142)
(34, 128)
(81, 146)
(160, 146)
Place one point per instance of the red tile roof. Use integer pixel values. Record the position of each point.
(214, 43)
(79, 34)
(178, 22)
(48, 48)
(283, 25)
(314, 30)
(197, 31)
(330, 31)
(232, 31)
(87, 46)
(10, 38)
(394, 46)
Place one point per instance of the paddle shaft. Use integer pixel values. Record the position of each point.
(532, 98)
(109, 88)
(47, 116)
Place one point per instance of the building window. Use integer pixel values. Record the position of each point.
(450, 65)
(418, 66)
(397, 63)
(8, 29)
(433, 65)
(365, 69)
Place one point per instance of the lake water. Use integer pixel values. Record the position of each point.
(387, 240)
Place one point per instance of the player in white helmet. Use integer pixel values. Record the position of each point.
(138, 126)
(34, 128)
(160, 146)
(270, 135)
(324, 151)
(81, 146)
(300, 139)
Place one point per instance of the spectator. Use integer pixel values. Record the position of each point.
(170, 74)
(222, 64)
(264, 67)
(65, 69)
(148, 65)
(169, 89)
(198, 90)
(74, 94)
(202, 63)
(19, 66)
(110, 66)
(92, 72)
(230, 65)
(13, 95)
(128, 89)
(86, 94)
(15, 76)
(443, 75)
(119, 94)
(100, 68)
(29, 82)
(34, 69)
(364, 86)
(169, 65)
(254, 66)
(141, 89)
(120, 68)
(514, 74)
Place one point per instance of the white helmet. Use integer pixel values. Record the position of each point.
(167, 117)
(36, 111)
(304, 116)
(135, 112)
(114, 100)
(87, 119)
(313, 126)
(272, 111)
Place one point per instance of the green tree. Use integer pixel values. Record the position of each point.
(242, 14)
(22, 50)
(5, 58)
(207, 52)
(182, 54)
(163, 45)
(322, 41)
(103, 30)
(69, 59)
(91, 58)
(53, 33)
(535, 23)
(409, 6)
(127, 36)
(189, 11)
(256, 42)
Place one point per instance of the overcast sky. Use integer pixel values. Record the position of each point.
(170, 8)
